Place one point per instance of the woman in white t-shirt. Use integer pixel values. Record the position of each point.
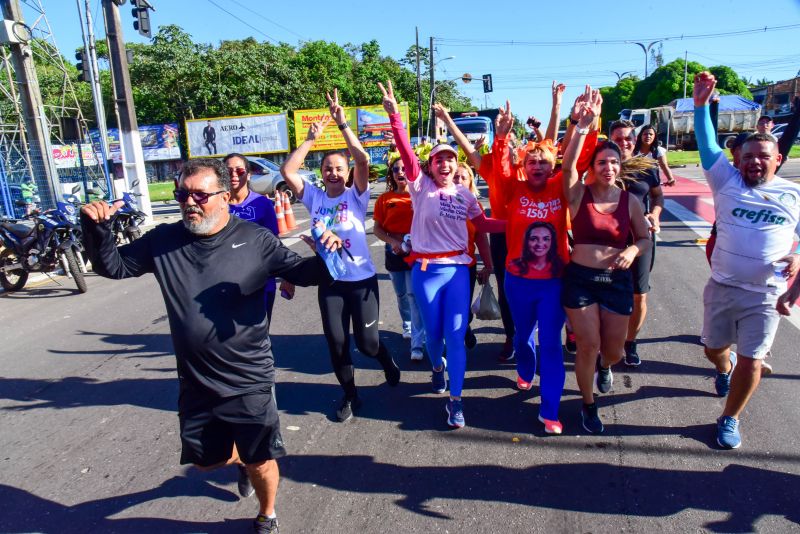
(646, 145)
(440, 274)
(343, 210)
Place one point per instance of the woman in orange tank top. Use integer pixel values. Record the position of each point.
(597, 291)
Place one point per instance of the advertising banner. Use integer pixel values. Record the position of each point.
(66, 156)
(248, 134)
(159, 142)
(371, 124)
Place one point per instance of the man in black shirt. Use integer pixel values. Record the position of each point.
(212, 269)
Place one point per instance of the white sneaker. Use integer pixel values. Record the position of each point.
(416, 355)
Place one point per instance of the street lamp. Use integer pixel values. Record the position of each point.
(621, 75)
(646, 50)
(433, 91)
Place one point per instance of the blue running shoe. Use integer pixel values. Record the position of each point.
(590, 420)
(728, 432)
(438, 380)
(722, 383)
(455, 413)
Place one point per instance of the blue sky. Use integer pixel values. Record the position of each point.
(522, 44)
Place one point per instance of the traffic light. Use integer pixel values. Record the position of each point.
(83, 66)
(141, 13)
(487, 83)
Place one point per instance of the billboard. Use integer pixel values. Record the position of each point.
(159, 142)
(248, 134)
(66, 156)
(371, 125)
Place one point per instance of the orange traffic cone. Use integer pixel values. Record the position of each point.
(288, 213)
(279, 214)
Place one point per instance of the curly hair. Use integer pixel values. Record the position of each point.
(637, 148)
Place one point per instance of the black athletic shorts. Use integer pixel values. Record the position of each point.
(641, 271)
(611, 289)
(210, 427)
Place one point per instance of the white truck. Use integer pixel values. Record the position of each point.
(675, 121)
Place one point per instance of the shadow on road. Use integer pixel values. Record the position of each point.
(78, 392)
(596, 488)
(26, 512)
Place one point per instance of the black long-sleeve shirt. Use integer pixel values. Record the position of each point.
(213, 288)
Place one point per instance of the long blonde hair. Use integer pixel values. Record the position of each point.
(472, 188)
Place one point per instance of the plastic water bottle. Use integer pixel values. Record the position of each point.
(778, 268)
(333, 260)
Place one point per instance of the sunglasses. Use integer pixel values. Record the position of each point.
(182, 195)
(238, 171)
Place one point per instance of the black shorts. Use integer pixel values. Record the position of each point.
(209, 428)
(611, 289)
(641, 271)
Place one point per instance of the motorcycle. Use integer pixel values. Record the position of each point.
(42, 243)
(126, 221)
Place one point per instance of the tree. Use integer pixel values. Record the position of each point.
(730, 83)
(617, 98)
(665, 84)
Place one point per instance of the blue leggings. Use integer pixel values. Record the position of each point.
(531, 301)
(442, 293)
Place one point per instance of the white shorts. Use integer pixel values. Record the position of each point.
(732, 315)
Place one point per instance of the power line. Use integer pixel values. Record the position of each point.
(269, 20)
(475, 42)
(212, 2)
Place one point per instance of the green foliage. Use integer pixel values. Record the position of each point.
(665, 85)
(174, 79)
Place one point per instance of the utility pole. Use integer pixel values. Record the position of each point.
(130, 142)
(685, 70)
(37, 129)
(431, 117)
(419, 92)
(97, 95)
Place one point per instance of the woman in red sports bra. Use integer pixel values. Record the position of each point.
(597, 290)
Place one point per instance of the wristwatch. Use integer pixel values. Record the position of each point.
(344, 125)
(582, 131)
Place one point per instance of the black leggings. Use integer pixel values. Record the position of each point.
(338, 303)
(499, 250)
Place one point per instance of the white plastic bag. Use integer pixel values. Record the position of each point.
(485, 305)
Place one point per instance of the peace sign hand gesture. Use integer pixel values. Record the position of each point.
(440, 111)
(505, 120)
(337, 111)
(389, 101)
(315, 130)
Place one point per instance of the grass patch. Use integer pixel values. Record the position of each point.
(160, 191)
(692, 157)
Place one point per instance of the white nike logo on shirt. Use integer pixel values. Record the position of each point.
(237, 245)
(370, 324)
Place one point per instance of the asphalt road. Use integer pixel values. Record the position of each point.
(89, 434)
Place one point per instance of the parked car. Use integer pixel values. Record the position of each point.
(266, 178)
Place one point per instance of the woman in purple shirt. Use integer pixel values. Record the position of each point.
(251, 206)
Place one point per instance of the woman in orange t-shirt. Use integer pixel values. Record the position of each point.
(392, 215)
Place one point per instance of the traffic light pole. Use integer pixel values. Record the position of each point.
(130, 142)
(97, 95)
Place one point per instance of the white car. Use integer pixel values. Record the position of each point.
(266, 178)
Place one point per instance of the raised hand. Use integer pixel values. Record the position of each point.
(389, 101)
(558, 91)
(316, 128)
(479, 142)
(505, 120)
(704, 85)
(440, 111)
(337, 111)
(533, 122)
(100, 211)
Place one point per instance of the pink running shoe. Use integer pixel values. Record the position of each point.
(551, 427)
(522, 385)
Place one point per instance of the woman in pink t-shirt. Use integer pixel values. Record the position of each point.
(440, 275)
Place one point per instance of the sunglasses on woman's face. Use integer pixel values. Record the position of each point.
(182, 196)
(237, 171)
